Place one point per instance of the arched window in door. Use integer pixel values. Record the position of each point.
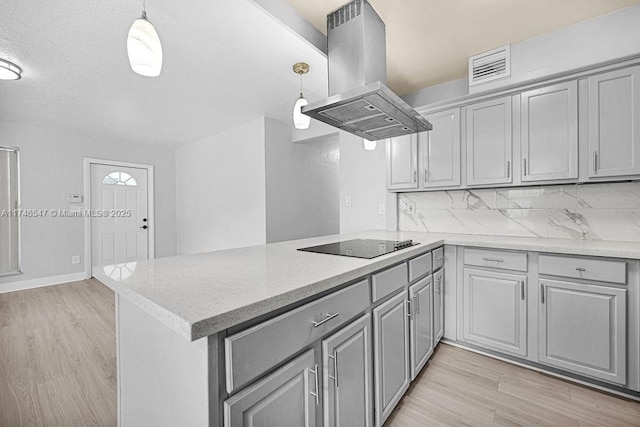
(119, 178)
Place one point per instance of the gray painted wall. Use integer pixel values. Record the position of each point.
(51, 168)
(303, 185)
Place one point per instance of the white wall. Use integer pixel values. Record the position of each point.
(303, 185)
(363, 178)
(220, 185)
(51, 168)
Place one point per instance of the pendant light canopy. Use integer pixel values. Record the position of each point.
(300, 120)
(144, 48)
(9, 70)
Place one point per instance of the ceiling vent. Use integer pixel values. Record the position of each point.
(491, 65)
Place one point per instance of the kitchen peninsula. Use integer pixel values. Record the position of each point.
(213, 338)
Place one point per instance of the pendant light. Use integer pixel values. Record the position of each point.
(9, 70)
(300, 120)
(144, 48)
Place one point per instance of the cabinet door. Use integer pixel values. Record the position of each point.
(288, 397)
(421, 324)
(438, 306)
(583, 329)
(495, 310)
(614, 123)
(391, 354)
(489, 142)
(549, 133)
(402, 162)
(440, 150)
(346, 363)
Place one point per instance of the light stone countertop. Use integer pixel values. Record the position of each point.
(199, 295)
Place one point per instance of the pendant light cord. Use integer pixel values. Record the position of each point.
(301, 96)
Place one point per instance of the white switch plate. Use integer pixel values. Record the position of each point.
(347, 201)
(74, 198)
(411, 208)
(75, 259)
(381, 209)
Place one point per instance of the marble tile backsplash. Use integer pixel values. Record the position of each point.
(585, 211)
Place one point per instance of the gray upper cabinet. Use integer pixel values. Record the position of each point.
(438, 306)
(495, 310)
(421, 326)
(614, 123)
(288, 397)
(440, 151)
(347, 376)
(489, 142)
(583, 329)
(391, 354)
(549, 133)
(402, 158)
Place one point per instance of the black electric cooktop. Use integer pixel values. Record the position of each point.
(361, 248)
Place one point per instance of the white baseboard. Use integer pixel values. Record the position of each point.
(41, 282)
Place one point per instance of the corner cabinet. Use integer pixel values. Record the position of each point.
(489, 142)
(614, 123)
(439, 151)
(402, 162)
(549, 133)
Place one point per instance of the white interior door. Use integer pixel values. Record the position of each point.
(120, 222)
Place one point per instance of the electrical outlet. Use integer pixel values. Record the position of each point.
(411, 208)
(381, 209)
(75, 259)
(347, 201)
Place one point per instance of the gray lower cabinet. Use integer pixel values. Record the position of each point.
(438, 306)
(391, 355)
(495, 310)
(347, 371)
(421, 325)
(288, 397)
(582, 329)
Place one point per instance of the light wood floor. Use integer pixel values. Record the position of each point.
(58, 368)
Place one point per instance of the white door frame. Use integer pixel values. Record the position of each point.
(88, 263)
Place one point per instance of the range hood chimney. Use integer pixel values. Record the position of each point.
(359, 101)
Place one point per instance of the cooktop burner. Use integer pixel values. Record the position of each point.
(361, 248)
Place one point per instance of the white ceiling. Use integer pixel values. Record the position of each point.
(430, 41)
(225, 63)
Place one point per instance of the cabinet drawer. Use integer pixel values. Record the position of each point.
(388, 281)
(250, 353)
(584, 268)
(419, 266)
(438, 258)
(496, 259)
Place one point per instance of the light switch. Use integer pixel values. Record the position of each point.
(347, 201)
(75, 259)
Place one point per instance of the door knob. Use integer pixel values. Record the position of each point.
(144, 227)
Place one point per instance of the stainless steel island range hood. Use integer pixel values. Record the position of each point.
(359, 101)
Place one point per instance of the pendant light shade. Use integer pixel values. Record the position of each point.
(144, 48)
(369, 145)
(300, 121)
(9, 70)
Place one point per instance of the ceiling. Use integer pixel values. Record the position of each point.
(216, 74)
(429, 41)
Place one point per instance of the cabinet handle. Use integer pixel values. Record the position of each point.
(415, 304)
(315, 374)
(325, 320)
(438, 285)
(438, 258)
(334, 356)
(493, 259)
(408, 308)
(522, 290)
(542, 293)
(426, 176)
(508, 169)
(415, 176)
(595, 161)
(581, 269)
(524, 165)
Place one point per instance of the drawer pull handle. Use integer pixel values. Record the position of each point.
(315, 374)
(542, 293)
(493, 259)
(408, 308)
(439, 258)
(325, 320)
(581, 269)
(522, 290)
(415, 304)
(334, 356)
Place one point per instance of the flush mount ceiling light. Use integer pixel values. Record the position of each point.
(369, 145)
(144, 48)
(9, 70)
(300, 120)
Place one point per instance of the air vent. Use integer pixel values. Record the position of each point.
(344, 14)
(491, 65)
